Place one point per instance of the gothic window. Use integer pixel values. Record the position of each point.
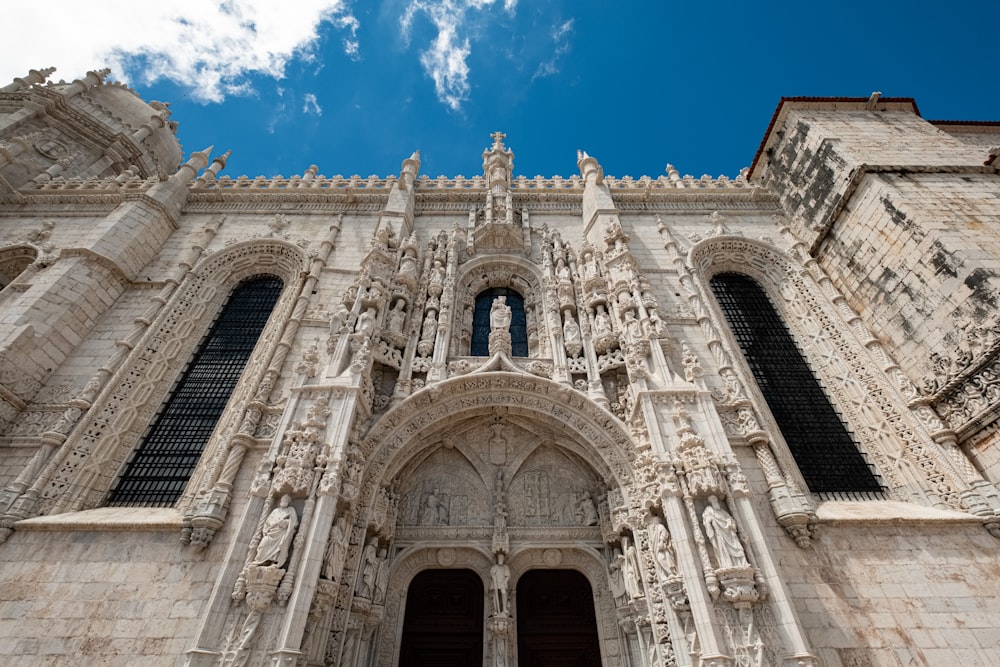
(481, 322)
(161, 465)
(818, 439)
(13, 262)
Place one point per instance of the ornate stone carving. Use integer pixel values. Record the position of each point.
(276, 535)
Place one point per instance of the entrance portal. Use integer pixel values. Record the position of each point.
(443, 626)
(555, 620)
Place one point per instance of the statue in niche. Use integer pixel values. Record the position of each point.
(381, 576)
(563, 272)
(720, 529)
(338, 322)
(572, 338)
(369, 570)
(366, 322)
(277, 534)
(586, 512)
(602, 323)
(633, 329)
(616, 578)
(334, 560)
(589, 266)
(434, 513)
(397, 316)
(408, 265)
(429, 330)
(436, 284)
(663, 552)
(633, 580)
(655, 325)
(500, 314)
(499, 584)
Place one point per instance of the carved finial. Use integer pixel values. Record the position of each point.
(498, 138)
(873, 100)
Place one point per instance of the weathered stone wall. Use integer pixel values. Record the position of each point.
(890, 584)
(913, 249)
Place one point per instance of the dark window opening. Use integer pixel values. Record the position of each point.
(824, 450)
(481, 322)
(161, 465)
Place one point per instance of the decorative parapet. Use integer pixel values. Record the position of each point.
(424, 183)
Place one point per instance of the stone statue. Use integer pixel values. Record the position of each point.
(720, 529)
(334, 560)
(632, 327)
(586, 513)
(277, 534)
(369, 570)
(339, 320)
(633, 577)
(562, 271)
(381, 576)
(616, 579)
(663, 552)
(429, 330)
(397, 316)
(436, 283)
(408, 265)
(589, 266)
(499, 584)
(571, 331)
(366, 322)
(434, 513)
(500, 314)
(602, 323)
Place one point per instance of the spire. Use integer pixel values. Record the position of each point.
(409, 170)
(187, 171)
(218, 164)
(92, 80)
(498, 164)
(34, 76)
(590, 170)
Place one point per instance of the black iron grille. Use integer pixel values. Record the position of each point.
(162, 464)
(818, 439)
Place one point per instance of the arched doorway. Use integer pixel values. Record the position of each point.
(443, 624)
(556, 626)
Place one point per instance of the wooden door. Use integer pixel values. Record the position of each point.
(556, 626)
(443, 626)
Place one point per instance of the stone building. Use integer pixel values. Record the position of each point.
(498, 420)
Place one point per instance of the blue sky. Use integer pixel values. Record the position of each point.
(354, 86)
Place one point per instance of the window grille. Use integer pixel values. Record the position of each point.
(820, 443)
(161, 465)
(481, 322)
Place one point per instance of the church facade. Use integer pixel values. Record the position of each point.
(498, 420)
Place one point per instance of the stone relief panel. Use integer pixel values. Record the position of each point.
(550, 489)
(445, 490)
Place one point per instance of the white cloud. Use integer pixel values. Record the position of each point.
(560, 37)
(310, 105)
(209, 47)
(446, 58)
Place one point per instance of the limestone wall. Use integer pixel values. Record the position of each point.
(890, 584)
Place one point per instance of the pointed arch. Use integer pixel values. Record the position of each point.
(95, 452)
(898, 445)
(14, 260)
(591, 432)
(816, 435)
(160, 467)
(496, 275)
